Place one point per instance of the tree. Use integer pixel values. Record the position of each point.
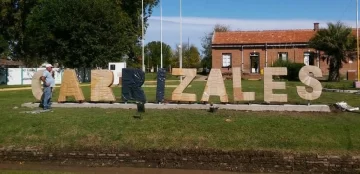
(15, 20)
(338, 45)
(13, 15)
(190, 58)
(4, 47)
(134, 56)
(133, 10)
(153, 54)
(206, 62)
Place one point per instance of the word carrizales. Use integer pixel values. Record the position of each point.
(101, 81)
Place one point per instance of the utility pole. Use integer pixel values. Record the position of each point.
(180, 51)
(180, 46)
(357, 40)
(142, 32)
(161, 36)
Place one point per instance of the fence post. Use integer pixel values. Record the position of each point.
(6, 75)
(22, 76)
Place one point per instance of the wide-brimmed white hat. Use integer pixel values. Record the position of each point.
(48, 65)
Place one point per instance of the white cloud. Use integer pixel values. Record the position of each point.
(195, 28)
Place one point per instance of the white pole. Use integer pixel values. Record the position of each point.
(357, 39)
(142, 31)
(161, 31)
(180, 51)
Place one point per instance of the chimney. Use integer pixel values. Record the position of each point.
(316, 26)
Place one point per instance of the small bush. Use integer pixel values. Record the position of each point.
(292, 68)
(227, 75)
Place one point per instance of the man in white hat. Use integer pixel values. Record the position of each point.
(49, 83)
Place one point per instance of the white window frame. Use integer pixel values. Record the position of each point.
(226, 60)
(281, 56)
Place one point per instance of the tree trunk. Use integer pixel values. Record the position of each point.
(334, 72)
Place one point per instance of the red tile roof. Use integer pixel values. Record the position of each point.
(266, 36)
(10, 63)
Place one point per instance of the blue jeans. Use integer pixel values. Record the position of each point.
(47, 97)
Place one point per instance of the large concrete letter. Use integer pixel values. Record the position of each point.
(215, 86)
(305, 78)
(101, 81)
(70, 87)
(238, 94)
(177, 94)
(132, 81)
(269, 85)
(160, 86)
(36, 85)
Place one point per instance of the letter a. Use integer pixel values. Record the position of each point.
(309, 81)
(215, 86)
(70, 87)
(101, 81)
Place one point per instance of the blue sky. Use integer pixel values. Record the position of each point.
(200, 16)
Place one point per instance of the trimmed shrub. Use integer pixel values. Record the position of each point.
(292, 68)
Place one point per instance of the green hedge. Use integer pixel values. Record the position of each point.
(293, 69)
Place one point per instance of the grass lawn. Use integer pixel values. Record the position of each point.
(96, 128)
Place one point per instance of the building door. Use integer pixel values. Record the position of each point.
(309, 58)
(254, 62)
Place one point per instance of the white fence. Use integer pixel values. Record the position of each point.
(23, 76)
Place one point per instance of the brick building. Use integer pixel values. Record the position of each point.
(254, 50)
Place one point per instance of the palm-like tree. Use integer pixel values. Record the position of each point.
(338, 46)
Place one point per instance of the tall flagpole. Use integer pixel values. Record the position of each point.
(357, 39)
(142, 32)
(180, 51)
(161, 35)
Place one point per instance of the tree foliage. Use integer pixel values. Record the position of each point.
(206, 62)
(3, 47)
(133, 10)
(338, 44)
(13, 15)
(82, 33)
(73, 33)
(190, 57)
(153, 54)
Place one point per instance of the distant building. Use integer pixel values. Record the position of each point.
(5, 63)
(254, 50)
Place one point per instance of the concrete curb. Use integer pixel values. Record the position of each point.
(342, 91)
(239, 107)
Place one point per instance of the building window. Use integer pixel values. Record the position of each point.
(226, 60)
(283, 56)
(112, 67)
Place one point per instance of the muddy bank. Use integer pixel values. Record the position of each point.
(101, 170)
(235, 161)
